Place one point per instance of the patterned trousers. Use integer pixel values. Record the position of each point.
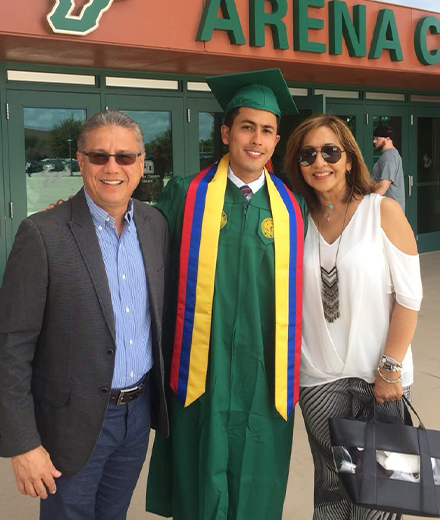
(342, 398)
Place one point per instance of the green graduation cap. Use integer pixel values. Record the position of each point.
(260, 89)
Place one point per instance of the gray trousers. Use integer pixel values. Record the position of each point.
(342, 398)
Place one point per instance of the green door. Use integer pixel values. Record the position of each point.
(353, 115)
(162, 123)
(3, 217)
(425, 134)
(397, 117)
(307, 106)
(42, 168)
(205, 120)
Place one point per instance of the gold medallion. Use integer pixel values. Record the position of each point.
(223, 220)
(267, 227)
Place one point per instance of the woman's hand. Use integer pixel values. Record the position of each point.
(384, 391)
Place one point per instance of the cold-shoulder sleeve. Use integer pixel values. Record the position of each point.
(404, 279)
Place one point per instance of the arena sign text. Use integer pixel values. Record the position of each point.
(343, 26)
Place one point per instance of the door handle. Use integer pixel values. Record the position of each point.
(411, 184)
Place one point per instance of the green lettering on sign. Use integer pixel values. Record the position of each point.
(386, 36)
(258, 19)
(353, 31)
(230, 21)
(424, 55)
(62, 21)
(302, 23)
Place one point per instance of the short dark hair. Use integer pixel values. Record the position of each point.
(383, 131)
(233, 113)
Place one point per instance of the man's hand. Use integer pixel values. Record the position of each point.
(35, 473)
(57, 203)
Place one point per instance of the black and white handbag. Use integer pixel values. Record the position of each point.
(389, 467)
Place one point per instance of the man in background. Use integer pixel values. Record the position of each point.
(388, 170)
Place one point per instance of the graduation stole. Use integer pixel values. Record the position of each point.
(198, 258)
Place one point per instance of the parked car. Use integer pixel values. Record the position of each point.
(54, 164)
(34, 166)
(75, 165)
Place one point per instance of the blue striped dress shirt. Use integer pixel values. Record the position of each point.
(125, 270)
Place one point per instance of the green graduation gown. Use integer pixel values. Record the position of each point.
(228, 454)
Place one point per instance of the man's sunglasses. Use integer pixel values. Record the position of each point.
(330, 153)
(124, 159)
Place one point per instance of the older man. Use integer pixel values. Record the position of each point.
(81, 370)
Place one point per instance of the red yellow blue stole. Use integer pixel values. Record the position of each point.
(198, 258)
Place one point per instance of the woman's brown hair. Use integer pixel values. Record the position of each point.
(359, 181)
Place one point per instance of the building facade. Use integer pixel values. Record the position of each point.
(367, 61)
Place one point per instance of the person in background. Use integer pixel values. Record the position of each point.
(236, 234)
(361, 293)
(388, 170)
(81, 368)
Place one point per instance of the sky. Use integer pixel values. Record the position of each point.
(47, 118)
(428, 5)
(152, 123)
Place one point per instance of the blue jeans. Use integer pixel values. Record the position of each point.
(102, 490)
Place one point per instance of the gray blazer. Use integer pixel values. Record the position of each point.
(57, 333)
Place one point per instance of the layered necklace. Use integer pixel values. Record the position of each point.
(330, 279)
(331, 208)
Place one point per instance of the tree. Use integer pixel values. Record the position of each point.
(63, 138)
(35, 148)
(162, 140)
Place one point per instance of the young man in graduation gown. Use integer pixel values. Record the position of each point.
(237, 239)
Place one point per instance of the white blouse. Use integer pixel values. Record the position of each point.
(373, 274)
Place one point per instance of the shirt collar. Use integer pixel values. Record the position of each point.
(254, 185)
(100, 217)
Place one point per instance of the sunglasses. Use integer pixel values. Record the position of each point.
(124, 159)
(330, 153)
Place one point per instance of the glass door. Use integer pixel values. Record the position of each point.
(426, 165)
(352, 115)
(396, 117)
(42, 130)
(205, 141)
(307, 106)
(161, 120)
(3, 211)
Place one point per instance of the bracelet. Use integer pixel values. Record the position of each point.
(387, 366)
(391, 361)
(398, 380)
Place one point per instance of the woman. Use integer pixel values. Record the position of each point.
(362, 291)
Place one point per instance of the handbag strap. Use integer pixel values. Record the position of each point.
(428, 500)
(408, 404)
(368, 485)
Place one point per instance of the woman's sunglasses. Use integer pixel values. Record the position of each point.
(124, 159)
(330, 153)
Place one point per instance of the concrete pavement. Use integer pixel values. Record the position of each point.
(299, 500)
